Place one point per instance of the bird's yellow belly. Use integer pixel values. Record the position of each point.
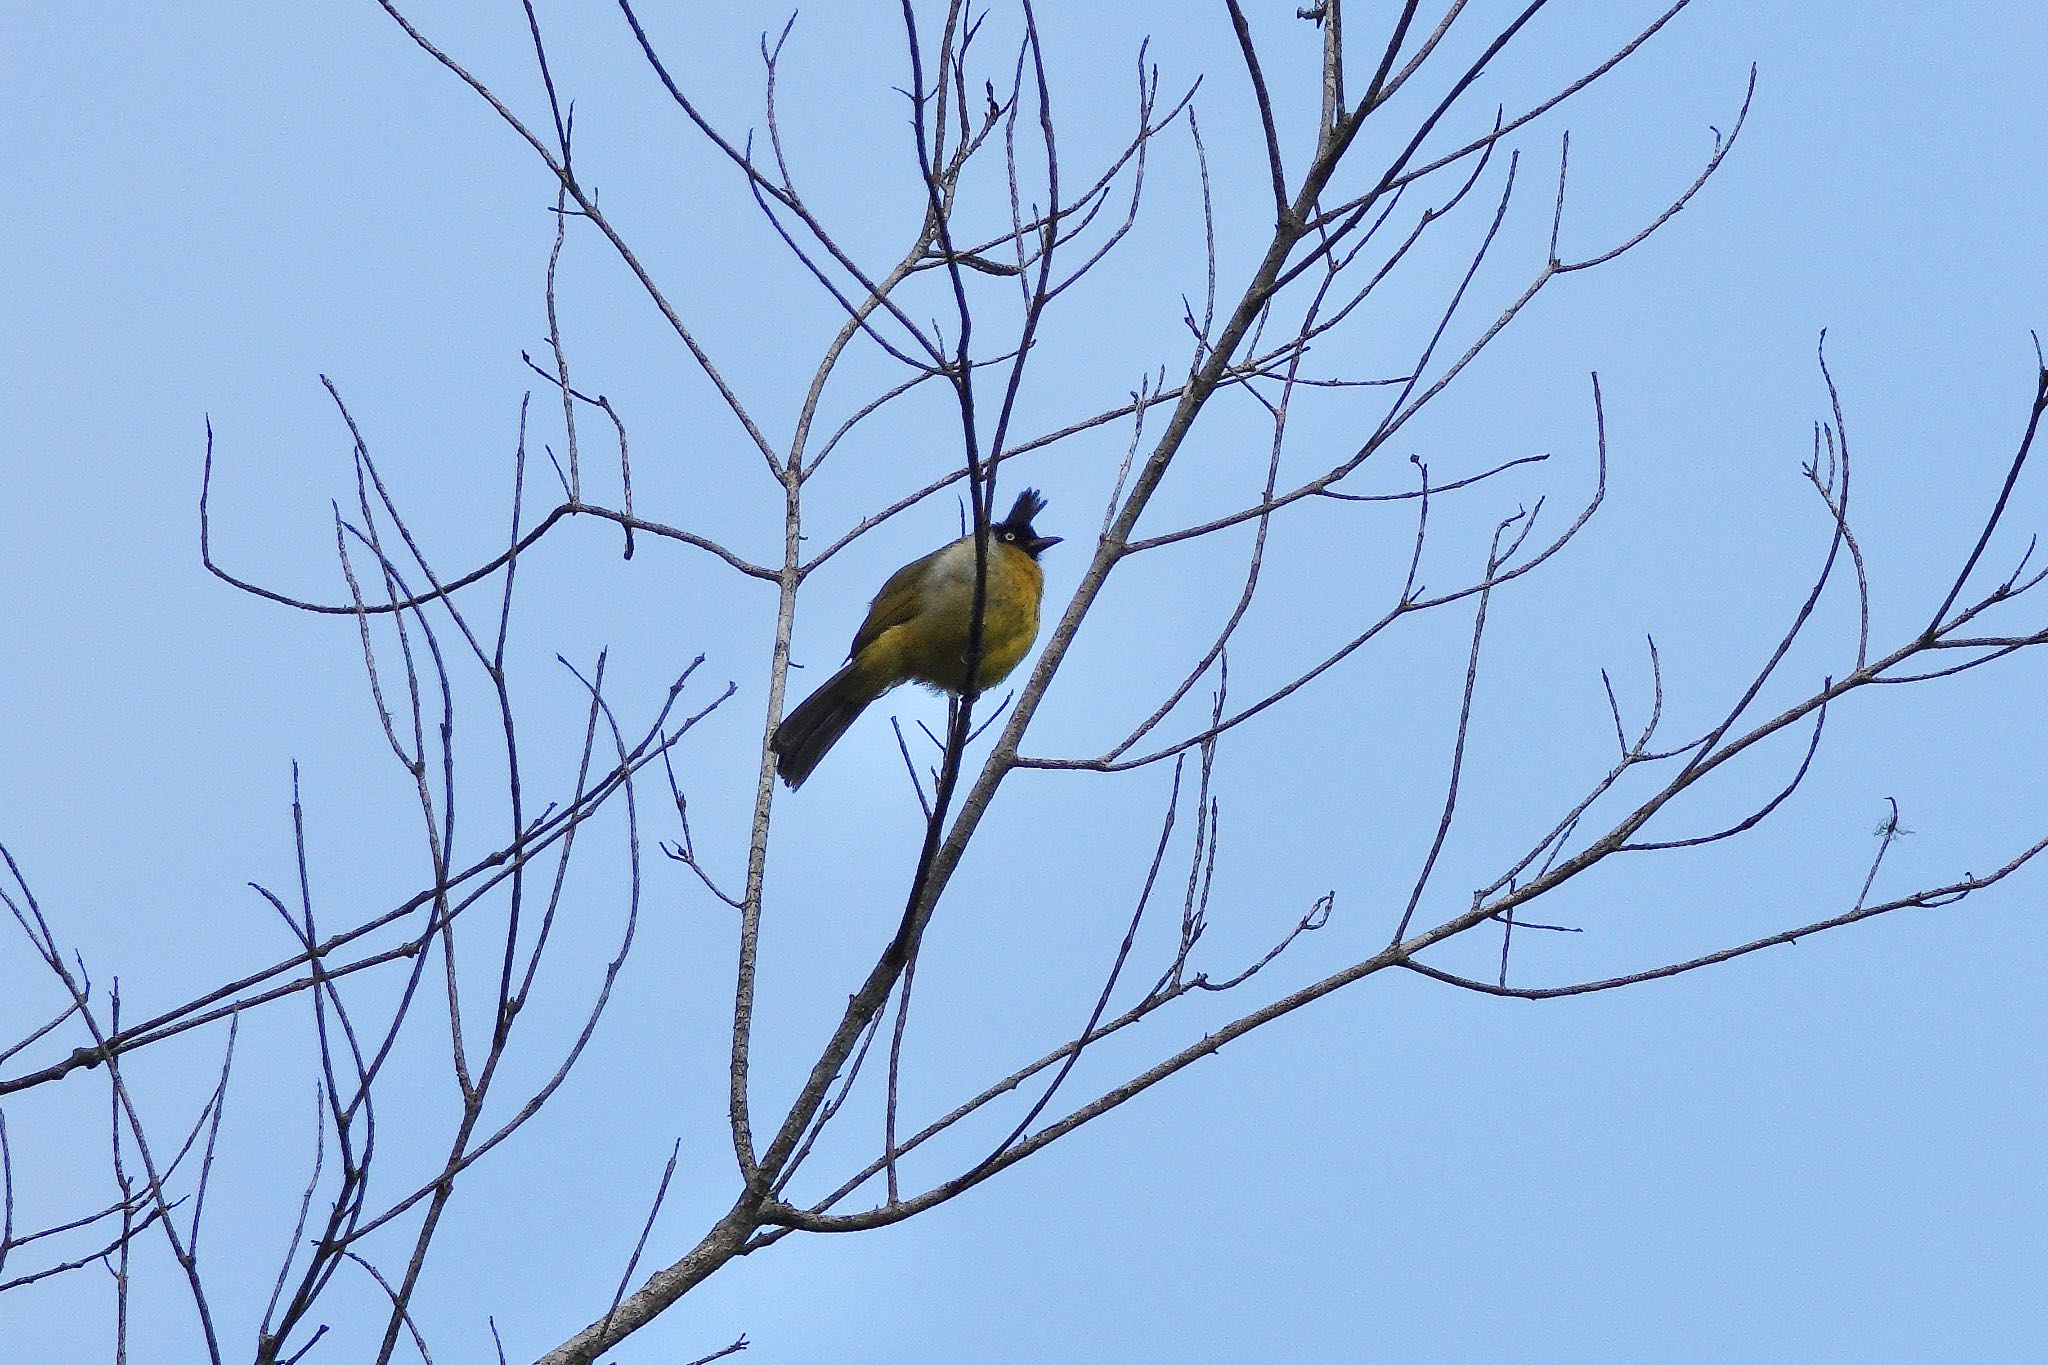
(932, 647)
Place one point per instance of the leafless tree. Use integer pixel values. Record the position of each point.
(1379, 159)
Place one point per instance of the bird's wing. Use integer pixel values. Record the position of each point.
(895, 604)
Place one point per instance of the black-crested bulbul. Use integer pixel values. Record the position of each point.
(917, 630)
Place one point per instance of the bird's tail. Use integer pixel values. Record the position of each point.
(815, 726)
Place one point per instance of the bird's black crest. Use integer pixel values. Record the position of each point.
(1027, 507)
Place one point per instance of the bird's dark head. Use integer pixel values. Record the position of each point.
(1016, 529)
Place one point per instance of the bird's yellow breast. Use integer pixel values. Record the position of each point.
(918, 627)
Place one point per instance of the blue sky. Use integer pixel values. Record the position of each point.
(1822, 1152)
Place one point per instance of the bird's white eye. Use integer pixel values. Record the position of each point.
(1009, 535)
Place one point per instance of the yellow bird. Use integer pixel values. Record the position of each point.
(916, 631)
